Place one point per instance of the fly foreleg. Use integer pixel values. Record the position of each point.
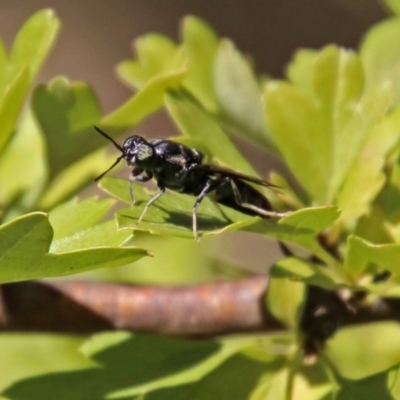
(136, 176)
(151, 201)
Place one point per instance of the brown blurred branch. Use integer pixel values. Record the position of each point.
(85, 306)
(193, 311)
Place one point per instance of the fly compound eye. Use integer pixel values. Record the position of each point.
(144, 151)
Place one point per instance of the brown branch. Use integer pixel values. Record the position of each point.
(83, 306)
(192, 311)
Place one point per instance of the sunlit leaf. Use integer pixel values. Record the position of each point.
(238, 94)
(24, 252)
(125, 367)
(329, 127)
(200, 44)
(360, 254)
(156, 55)
(76, 226)
(361, 351)
(308, 272)
(381, 56)
(285, 300)
(194, 122)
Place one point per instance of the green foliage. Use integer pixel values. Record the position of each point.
(334, 122)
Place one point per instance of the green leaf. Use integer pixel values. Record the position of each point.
(11, 105)
(238, 94)
(24, 252)
(306, 382)
(382, 386)
(361, 351)
(285, 300)
(34, 41)
(367, 175)
(126, 367)
(156, 55)
(300, 70)
(307, 272)
(195, 123)
(3, 68)
(200, 45)
(393, 5)
(147, 101)
(26, 355)
(171, 215)
(302, 228)
(381, 55)
(241, 373)
(76, 226)
(360, 254)
(330, 126)
(273, 385)
(66, 114)
(22, 168)
(31, 46)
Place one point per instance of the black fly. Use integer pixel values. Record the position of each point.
(179, 168)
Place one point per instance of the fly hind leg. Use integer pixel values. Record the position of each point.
(208, 187)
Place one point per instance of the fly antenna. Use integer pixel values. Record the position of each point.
(116, 145)
(110, 139)
(109, 169)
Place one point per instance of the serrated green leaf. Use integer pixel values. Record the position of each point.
(366, 177)
(34, 41)
(285, 300)
(306, 382)
(361, 351)
(393, 5)
(147, 101)
(290, 198)
(194, 122)
(30, 48)
(360, 254)
(172, 213)
(302, 228)
(380, 386)
(238, 94)
(308, 272)
(126, 367)
(241, 373)
(200, 44)
(300, 70)
(22, 170)
(24, 252)
(289, 112)
(381, 56)
(273, 385)
(26, 355)
(66, 113)
(11, 104)
(329, 127)
(76, 226)
(3, 68)
(156, 55)
(74, 216)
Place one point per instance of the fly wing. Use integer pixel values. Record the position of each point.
(233, 174)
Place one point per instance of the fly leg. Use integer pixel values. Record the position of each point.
(208, 187)
(151, 201)
(136, 176)
(257, 210)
